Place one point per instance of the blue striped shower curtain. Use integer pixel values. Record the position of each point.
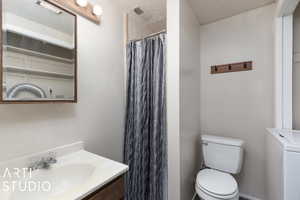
(145, 145)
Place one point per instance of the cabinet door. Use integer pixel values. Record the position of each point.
(112, 191)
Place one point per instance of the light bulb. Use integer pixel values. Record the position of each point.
(82, 3)
(97, 10)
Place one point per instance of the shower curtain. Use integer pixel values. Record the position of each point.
(145, 126)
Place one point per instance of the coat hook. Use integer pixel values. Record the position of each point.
(233, 67)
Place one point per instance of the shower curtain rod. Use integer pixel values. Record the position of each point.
(150, 35)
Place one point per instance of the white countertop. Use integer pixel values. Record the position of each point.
(289, 139)
(105, 171)
(76, 175)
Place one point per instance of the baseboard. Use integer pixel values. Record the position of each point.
(249, 197)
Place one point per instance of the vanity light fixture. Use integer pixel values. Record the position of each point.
(82, 3)
(97, 10)
(81, 7)
(48, 6)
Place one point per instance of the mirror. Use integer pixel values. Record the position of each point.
(38, 52)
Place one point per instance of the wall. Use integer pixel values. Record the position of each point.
(240, 104)
(286, 7)
(139, 28)
(136, 27)
(158, 26)
(296, 71)
(173, 95)
(97, 119)
(190, 148)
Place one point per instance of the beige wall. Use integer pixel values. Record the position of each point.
(97, 119)
(189, 100)
(173, 95)
(139, 28)
(240, 104)
(136, 27)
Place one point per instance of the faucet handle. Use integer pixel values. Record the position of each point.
(51, 160)
(32, 166)
(52, 157)
(52, 154)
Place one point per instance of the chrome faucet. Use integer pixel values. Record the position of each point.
(43, 163)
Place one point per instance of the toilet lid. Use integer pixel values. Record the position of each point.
(216, 182)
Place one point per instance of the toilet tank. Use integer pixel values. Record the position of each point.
(224, 154)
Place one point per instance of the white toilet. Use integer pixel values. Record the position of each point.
(222, 157)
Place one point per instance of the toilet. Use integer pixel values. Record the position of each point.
(222, 157)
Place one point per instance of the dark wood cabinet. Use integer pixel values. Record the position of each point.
(112, 191)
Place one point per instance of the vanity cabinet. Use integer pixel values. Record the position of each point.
(111, 191)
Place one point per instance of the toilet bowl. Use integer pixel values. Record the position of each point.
(214, 185)
(222, 157)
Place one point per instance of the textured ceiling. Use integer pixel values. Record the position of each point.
(154, 10)
(213, 10)
(207, 10)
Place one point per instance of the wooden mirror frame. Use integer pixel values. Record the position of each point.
(75, 100)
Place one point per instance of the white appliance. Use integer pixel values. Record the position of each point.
(283, 164)
(222, 157)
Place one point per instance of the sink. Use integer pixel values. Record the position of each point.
(76, 174)
(54, 182)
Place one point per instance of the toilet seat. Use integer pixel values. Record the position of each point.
(216, 184)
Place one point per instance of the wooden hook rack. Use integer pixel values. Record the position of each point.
(233, 67)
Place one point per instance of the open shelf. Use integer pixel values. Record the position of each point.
(37, 72)
(38, 54)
